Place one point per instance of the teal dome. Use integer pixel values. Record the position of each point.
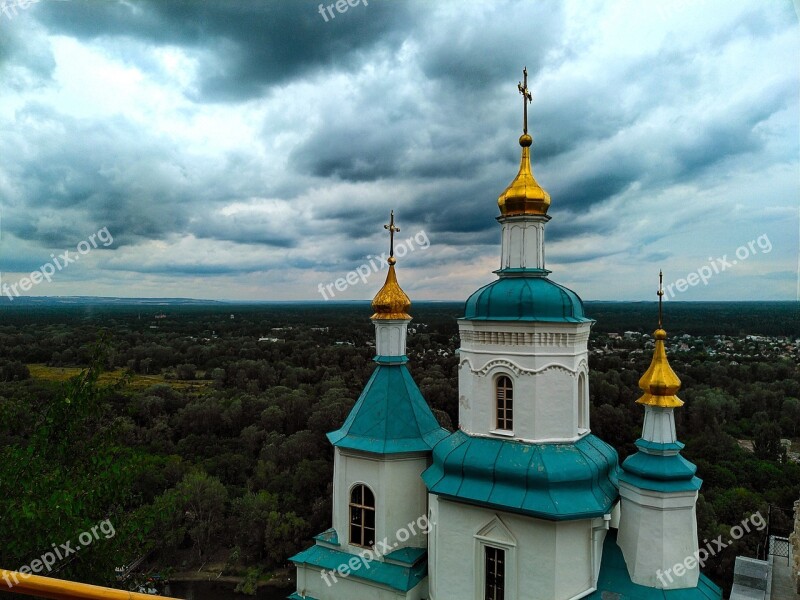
(557, 481)
(525, 299)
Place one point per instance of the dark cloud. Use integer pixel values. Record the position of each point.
(74, 176)
(404, 105)
(485, 51)
(246, 46)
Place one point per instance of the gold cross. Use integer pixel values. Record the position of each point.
(391, 227)
(526, 98)
(660, 297)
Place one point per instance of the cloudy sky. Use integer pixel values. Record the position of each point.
(252, 150)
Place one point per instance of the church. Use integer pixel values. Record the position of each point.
(522, 501)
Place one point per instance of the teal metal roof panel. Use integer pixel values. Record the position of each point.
(552, 481)
(393, 576)
(390, 360)
(390, 416)
(656, 466)
(407, 556)
(532, 298)
(329, 537)
(614, 582)
(296, 596)
(659, 447)
(655, 485)
(660, 472)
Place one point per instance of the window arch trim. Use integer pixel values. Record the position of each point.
(504, 402)
(361, 508)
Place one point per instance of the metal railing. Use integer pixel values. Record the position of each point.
(60, 589)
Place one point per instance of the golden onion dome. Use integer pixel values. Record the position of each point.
(524, 196)
(391, 301)
(660, 383)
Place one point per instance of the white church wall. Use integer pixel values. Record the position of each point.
(522, 244)
(555, 405)
(553, 558)
(311, 583)
(545, 363)
(400, 495)
(390, 336)
(656, 532)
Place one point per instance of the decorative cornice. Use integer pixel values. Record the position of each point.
(515, 368)
(524, 338)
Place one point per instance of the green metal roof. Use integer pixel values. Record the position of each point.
(296, 596)
(407, 556)
(328, 536)
(614, 582)
(390, 417)
(659, 446)
(660, 468)
(396, 577)
(551, 481)
(526, 298)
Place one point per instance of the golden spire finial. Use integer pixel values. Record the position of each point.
(527, 98)
(660, 298)
(391, 301)
(524, 196)
(391, 227)
(660, 383)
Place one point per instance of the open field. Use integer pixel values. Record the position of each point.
(137, 382)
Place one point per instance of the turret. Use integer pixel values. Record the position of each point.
(658, 487)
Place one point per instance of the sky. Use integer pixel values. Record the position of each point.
(252, 150)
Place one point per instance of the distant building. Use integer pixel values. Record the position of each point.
(751, 579)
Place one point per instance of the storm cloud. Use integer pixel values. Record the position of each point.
(249, 150)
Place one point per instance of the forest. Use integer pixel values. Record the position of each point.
(198, 430)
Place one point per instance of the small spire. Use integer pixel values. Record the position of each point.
(391, 301)
(527, 98)
(660, 383)
(391, 227)
(660, 298)
(524, 196)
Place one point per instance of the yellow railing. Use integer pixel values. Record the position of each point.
(59, 589)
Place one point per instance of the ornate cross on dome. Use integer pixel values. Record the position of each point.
(522, 86)
(392, 228)
(660, 296)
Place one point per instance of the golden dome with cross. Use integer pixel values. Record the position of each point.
(391, 301)
(660, 383)
(524, 195)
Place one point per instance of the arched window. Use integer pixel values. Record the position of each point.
(583, 409)
(362, 516)
(505, 403)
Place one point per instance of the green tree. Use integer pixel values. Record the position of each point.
(203, 501)
(285, 534)
(61, 473)
(767, 441)
(250, 515)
